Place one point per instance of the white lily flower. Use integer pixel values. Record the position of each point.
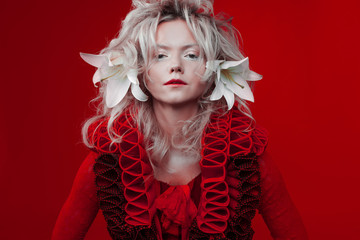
(232, 77)
(110, 68)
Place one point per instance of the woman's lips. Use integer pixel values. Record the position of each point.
(175, 82)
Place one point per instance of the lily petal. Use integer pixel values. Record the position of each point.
(233, 64)
(97, 77)
(234, 86)
(95, 60)
(138, 93)
(107, 72)
(243, 92)
(132, 76)
(116, 90)
(218, 91)
(230, 98)
(218, 74)
(116, 58)
(253, 76)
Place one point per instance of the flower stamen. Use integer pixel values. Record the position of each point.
(226, 73)
(111, 75)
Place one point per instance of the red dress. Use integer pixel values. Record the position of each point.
(219, 204)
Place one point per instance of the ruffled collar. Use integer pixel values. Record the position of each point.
(224, 136)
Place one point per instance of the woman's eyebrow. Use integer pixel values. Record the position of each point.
(166, 47)
(190, 45)
(162, 46)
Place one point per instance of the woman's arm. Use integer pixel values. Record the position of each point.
(276, 206)
(81, 206)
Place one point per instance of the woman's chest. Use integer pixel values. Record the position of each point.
(177, 168)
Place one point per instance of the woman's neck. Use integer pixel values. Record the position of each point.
(179, 168)
(170, 116)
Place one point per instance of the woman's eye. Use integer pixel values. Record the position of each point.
(192, 56)
(160, 56)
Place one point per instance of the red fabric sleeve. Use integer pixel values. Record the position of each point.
(81, 206)
(276, 206)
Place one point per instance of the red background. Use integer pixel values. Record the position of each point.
(308, 52)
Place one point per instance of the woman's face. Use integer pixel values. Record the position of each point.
(176, 74)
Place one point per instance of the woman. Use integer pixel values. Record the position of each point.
(176, 153)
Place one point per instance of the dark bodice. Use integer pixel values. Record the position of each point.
(244, 191)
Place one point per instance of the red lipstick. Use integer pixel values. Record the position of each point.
(175, 82)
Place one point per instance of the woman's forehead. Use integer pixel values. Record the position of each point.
(174, 32)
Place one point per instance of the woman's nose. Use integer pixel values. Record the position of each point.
(176, 64)
(176, 69)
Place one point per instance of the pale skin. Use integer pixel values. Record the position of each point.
(176, 58)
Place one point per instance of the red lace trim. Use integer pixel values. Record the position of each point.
(213, 212)
(225, 136)
(98, 137)
(242, 141)
(139, 188)
(222, 138)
